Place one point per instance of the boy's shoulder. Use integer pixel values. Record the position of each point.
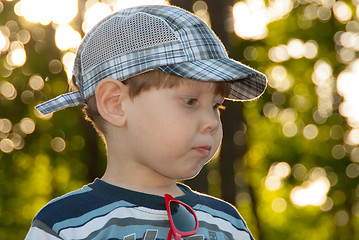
(217, 208)
(74, 204)
(217, 204)
(66, 207)
(93, 200)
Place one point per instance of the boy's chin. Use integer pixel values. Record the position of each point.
(189, 175)
(189, 172)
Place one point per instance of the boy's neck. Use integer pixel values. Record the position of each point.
(148, 186)
(122, 173)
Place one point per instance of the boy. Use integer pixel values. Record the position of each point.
(152, 79)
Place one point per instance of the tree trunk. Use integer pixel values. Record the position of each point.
(231, 118)
(185, 4)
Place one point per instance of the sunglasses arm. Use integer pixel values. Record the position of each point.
(170, 233)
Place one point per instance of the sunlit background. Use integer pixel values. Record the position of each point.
(336, 89)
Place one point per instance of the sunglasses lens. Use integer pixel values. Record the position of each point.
(183, 218)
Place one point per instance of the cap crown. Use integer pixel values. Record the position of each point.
(164, 38)
(140, 39)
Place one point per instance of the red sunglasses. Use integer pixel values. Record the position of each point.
(183, 219)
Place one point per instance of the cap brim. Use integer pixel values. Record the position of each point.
(246, 83)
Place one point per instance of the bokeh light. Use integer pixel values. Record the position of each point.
(27, 125)
(279, 79)
(352, 170)
(6, 145)
(300, 172)
(4, 40)
(251, 17)
(68, 61)
(96, 10)
(27, 96)
(58, 144)
(17, 55)
(55, 66)
(44, 11)
(270, 110)
(8, 90)
(327, 205)
(310, 131)
(94, 14)
(342, 11)
(120, 4)
(23, 36)
(290, 129)
(295, 49)
(279, 205)
(312, 192)
(64, 11)
(5, 125)
(338, 151)
(17, 141)
(276, 174)
(323, 78)
(348, 87)
(66, 37)
(353, 137)
(36, 82)
(200, 9)
(336, 132)
(36, 11)
(354, 155)
(341, 218)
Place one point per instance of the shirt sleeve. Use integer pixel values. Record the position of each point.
(40, 231)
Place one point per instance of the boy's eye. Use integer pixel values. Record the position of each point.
(190, 101)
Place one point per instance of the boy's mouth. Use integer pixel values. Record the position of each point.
(204, 150)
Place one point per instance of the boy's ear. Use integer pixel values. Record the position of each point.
(110, 94)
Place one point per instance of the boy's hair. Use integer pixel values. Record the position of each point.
(136, 85)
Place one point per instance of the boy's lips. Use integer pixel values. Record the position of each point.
(204, 150)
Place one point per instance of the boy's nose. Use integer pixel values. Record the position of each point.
(210, 122)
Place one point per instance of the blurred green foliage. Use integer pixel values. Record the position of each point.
(289, 142)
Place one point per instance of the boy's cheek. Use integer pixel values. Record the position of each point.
(218, 138)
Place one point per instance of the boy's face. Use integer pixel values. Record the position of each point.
(172, 132)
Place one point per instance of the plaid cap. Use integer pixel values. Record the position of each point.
(164, 38)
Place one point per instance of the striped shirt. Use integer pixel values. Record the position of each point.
(104, 211)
